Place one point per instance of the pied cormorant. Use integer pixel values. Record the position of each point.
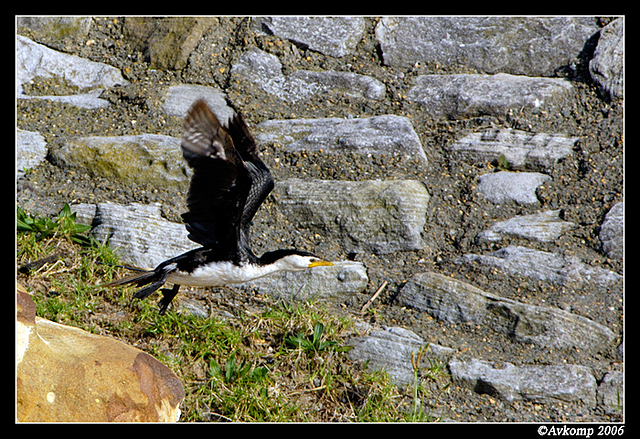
(228, 185)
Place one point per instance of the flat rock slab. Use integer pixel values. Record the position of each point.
(333, 36)
(391, 349)
(387, 134)
(364, 216)
(522, 150)
(31, 150)
(65, 374)
(339, 282)
(539, 384)
(33, 60)
(469, 95)
(265, 71)
(546, 226)
(505, 186)
(546, 267)
(179, 98)
(451, 300)
(523, 46)
(137, 232)
(140, 159)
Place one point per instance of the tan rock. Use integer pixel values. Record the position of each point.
(65, 374)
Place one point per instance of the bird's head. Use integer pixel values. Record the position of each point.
(294, 260)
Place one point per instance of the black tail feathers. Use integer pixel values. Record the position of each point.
(152, 279)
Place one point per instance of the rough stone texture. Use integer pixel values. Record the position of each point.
(54, 30)
(612, 232)
(179, 99)
(547, 267)
(522, 150)
(333, 36)
(546, 226)
(469, 95)
(607, 65)
(339, 282)
(65, 374)
(166, 42)
(370, 135)
(454, 301)
(265, 71)
(517, 45)
(390, 348)
(585, 184)
(504, 186)
(364, 216)
(611, 392)
(31, 150)
(33, 59)
(143, 159)
(540, 384)
(137, 232)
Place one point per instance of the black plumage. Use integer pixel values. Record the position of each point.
(228, 185)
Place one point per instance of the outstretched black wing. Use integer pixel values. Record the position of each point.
(220, 183)
(261, 179)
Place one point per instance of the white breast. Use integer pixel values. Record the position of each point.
(218, 274)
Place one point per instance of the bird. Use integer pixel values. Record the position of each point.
(229, 184)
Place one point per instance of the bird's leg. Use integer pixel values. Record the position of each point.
(167, 297)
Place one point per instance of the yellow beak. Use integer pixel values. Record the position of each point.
(320, 263)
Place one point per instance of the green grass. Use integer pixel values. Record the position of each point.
(286, 362)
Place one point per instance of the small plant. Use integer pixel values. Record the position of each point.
(63, 225)
(234, 371)
(311, 345)
(433, 372)
(502, 163)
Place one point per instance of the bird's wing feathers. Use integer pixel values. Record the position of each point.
(262, 181)
(229, 182)
(220, 182)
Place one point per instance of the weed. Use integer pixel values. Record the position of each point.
(63, 225)
(502, 163)
(311, 345)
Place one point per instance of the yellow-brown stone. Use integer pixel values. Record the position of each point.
(65, 374)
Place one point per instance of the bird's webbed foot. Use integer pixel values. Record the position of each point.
(167, 296)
